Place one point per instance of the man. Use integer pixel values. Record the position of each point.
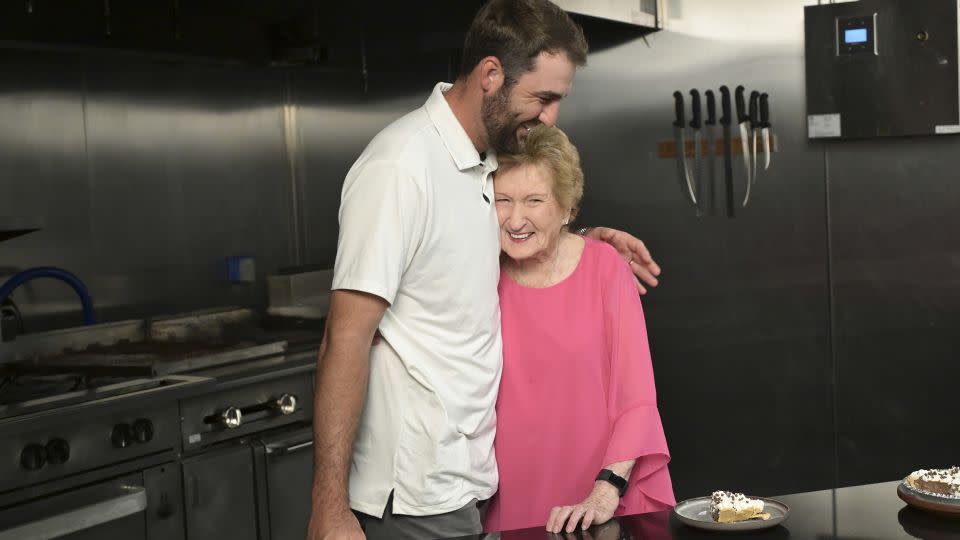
(406, 426)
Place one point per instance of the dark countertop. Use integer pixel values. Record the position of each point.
(865, 512)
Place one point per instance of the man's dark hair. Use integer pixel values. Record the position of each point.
(516, 32)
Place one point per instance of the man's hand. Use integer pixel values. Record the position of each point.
(633, 250)
(341, 526)
(597, 508)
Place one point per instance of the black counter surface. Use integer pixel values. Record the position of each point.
(868, 512)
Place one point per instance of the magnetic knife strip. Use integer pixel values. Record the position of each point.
(698, 180)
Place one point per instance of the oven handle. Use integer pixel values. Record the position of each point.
(132, 501)
(281, 449)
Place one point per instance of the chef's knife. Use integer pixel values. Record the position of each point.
(765, 128)
(680, 139)
(710, 128)
(744, 121)
(695, 125)
(754, 128)
(726, 119)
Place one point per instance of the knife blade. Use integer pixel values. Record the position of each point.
(765, 128)
(679, 125)
(696, 124)
(754, 128)
(743, 122)
(709, 129)
(726, 119)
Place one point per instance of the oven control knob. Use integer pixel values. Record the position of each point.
(142, 430)
(122, 436)
(231, 417)
(287, 404)
(33, 457)
(58, 451)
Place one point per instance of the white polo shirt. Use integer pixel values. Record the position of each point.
(416, 230)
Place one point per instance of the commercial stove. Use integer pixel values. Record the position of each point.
(194, 426)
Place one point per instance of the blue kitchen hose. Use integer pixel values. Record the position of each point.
(57, 273)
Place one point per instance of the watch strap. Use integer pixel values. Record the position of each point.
(613, 478)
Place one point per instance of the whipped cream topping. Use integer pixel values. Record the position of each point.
(950, 477)
(738, 502)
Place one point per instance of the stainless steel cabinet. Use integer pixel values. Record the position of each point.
(284, 464)
(219, 495)
(255, 489)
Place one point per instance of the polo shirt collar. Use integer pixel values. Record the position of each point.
(454, 137)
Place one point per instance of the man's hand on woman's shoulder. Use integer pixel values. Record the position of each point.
(634, 251)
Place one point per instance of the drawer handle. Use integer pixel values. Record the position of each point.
(280, 449)
(132, 500)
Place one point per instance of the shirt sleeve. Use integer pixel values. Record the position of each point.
(637, 432)
(382, 222)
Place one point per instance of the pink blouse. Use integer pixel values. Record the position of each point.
(577, 393)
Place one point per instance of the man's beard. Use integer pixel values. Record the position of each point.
(500, 123)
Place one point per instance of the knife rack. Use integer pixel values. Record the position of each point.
(668, 149)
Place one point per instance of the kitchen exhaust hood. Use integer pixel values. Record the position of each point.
(633, 12)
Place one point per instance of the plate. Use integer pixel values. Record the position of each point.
(949, 506)
(927, 525)
(696, 513)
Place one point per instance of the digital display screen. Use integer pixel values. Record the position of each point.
(855, 35)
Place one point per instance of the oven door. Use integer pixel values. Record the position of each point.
(284, 463)
(112, 509)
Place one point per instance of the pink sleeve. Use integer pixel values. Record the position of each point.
(636, 431)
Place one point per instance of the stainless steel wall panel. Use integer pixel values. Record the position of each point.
(149, 174)
(192, 158)
(43, 173)
(896, 265)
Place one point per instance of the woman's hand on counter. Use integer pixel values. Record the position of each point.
(597, 508)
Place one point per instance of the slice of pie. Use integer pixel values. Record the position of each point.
(945, 482)
(727, 507)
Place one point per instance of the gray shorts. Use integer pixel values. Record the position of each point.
(464, 522)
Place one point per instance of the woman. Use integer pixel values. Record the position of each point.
(577, 400)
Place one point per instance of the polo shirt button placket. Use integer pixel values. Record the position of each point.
(484, 179)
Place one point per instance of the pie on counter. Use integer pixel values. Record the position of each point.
(943, 482)
(727, 507)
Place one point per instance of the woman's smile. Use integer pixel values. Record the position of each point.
(520, 237)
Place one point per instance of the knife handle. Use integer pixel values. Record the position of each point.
(741, 105)
(695, 120)
(711, 108)
(725, 105)
(678, 108)
(764, 110)
(754, 108)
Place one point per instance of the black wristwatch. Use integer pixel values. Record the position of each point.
(618, 481)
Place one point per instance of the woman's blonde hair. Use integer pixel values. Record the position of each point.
(550, 147)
